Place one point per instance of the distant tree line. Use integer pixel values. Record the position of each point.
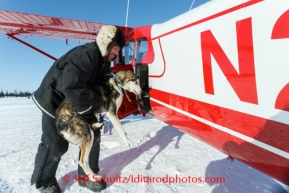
(15, 94)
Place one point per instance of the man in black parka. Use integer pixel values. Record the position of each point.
(69, 77)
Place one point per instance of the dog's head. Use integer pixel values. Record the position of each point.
(129, 81)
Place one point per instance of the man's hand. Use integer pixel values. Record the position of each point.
(89, 117)
(92, 120)
(107, 76)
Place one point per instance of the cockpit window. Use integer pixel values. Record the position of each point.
(128, 52)
(142, 48)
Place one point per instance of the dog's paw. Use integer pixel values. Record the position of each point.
(96, 126)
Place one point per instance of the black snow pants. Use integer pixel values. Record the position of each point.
(50, 150)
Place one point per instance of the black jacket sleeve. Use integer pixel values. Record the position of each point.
(79, 68)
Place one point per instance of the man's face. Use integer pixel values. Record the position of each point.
(113, 53)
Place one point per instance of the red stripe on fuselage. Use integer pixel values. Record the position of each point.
(267, 131)
(232, 9)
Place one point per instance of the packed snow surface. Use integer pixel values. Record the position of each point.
(163, 159)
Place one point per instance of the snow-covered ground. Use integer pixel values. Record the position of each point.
(160, 151)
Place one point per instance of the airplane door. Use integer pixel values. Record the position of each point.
(142, 71)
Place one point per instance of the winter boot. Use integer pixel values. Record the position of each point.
(95, 186)
(54, 188)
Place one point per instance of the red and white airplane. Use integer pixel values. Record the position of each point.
(219, 72)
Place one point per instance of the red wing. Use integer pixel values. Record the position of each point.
(15, 23)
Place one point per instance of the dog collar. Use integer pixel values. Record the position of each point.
(119, 85)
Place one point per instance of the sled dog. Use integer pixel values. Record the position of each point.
(105, 98)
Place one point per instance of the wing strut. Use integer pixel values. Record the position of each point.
(32, 47)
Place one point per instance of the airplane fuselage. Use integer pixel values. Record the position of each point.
(220, 73)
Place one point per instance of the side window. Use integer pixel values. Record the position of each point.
(142, 48)
(112, 64)
(128, 52)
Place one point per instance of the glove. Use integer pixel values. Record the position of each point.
(107, 76)
(89, 117)
(99, 118)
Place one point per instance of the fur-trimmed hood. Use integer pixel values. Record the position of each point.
(108, 36)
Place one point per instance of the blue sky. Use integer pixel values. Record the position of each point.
(23, 69)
